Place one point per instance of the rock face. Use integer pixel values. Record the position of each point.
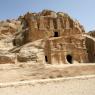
(27, 54)
(20, 38)
(92, 33)
(6, 57)
(69, 49)
(46, 37)
(9, 26)
(47, 24)
(90, 44)
(5, 45)
(31, 52)
(7, 30)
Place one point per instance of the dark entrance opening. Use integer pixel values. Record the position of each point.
(56, 34)
(69, 58)
(46, 59)
(14, 42)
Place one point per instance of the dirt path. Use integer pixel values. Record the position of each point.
(71, 86)
(12, 73)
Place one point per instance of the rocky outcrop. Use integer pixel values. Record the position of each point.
(31, 52)
(42, 25)
(25, 39)
(9, 26)
(90, 45)
(20, 38)
(7, 30)
(92, 33)
(46, 24)
(27, 54)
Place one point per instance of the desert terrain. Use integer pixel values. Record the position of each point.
(30, 79)
(21, 72)
(46, 53)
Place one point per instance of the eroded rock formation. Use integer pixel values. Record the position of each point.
(92, 33)
(48, 24)
(47, 37)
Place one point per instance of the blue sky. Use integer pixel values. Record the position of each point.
(83, 10)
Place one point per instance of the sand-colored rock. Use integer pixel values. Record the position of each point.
(27, 54)
(46, 45)
(92, 33)
(7, 58)
(49, 25)
(54, 37)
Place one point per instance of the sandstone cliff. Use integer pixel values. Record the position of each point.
(46, 24)
(24, 39)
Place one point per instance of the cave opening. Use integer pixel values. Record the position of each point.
(69, 58)
(56, 34)
(46, 59)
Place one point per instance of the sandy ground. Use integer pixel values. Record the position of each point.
(43, 79)
(70, 86)
(22, 72)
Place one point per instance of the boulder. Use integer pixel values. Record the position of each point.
(32, 51)
(27, 54)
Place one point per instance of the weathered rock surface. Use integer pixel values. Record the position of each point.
(7, 58)
(26, 37)
(44, 25)
(31, 52)
(27, 54)
(9, 26)
(7, 30)
(92, 33)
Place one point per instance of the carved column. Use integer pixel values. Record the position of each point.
(41, 26)
(63, 23)
(35, 24)
(58, 24)
(67, 24)
(51, 24)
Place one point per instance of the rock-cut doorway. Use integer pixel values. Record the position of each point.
(69, 58)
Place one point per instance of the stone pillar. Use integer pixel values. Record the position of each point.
(58, 24)
(41, 26)
(35, 24)
(63, 23)
(31, 22)
(67, 24)
(51, 24)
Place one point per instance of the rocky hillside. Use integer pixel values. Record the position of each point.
(9, 26)
(22, 40)
(44, 24)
